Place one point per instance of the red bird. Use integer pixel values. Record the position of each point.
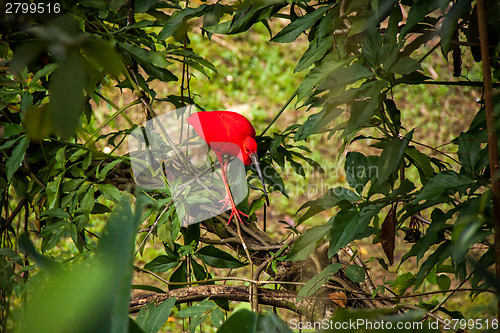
(228, 133)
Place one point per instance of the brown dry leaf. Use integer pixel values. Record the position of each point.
(388, 234)
(338, 298)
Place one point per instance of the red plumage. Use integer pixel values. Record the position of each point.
(225, 132)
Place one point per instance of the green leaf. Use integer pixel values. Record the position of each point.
(66, 95)
(251, 12)
(306, 244)
(391, 158)
(316, 122)
(215, 257)
(317, 281)
(217, 317)
(179, 275)
(148, 287)
(358, 170)
(355, 273)
(103, 53)
(26, 101)
(162, 263)
(88, 296)
(403, 282)
(197, 309)
(468, 228)
(450, 22)
(15, 160)
(179, 18)
(334, 197)
(241, 321)
(422, 162)
(47, 70)
(294, 29)
(361, 112)
(11, 129)
(116, 251)
(9, 253)
(323, 42)
(447, 181)
(151, 318)
(433, 235)
(318, 74)
(371, 47)
(436, 258)
(417, 13)
(143, 55)
(443, 281)
(405, 65)
(105, 171)
(469, 154)
(88, 200)
(109, 192)
(349, 225)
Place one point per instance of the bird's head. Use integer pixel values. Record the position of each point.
(250, 155)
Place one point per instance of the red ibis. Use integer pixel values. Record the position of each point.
(228, 133)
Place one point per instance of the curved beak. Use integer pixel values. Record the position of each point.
(255, 161)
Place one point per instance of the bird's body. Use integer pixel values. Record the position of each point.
(224, 132)
(228, 133)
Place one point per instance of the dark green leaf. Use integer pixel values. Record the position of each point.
(162, 263)
(436, 258)
(294, 29)
(316, 122)
(348, 225)
(317, 281)
(361, 112)
(198, 309)
(392, 157)
(467, 230)
(417, 13)
(14, 161)
(306, 244)
(469, 154)
(357, 170)
(66, 95)
(405, 65)
(371, 47)
(148, 287)
(402, 283)
(447, 181)
(215, 257)
(179, 18)
(151, 318)
(318, 74)
(104, 55)
(217, 317)
(11, 129)
(355, 273)
(450, 22)
(109, 192)
(241, 321)
(334, 197)
(443, 281)
(251, 12)
(422, 162)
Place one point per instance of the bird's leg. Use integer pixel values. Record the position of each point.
(229, 197)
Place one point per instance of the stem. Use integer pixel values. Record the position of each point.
(279, 113)
(454, 83)
(113, 116)
(492, 137)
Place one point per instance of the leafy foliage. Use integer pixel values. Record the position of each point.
(55, 169)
